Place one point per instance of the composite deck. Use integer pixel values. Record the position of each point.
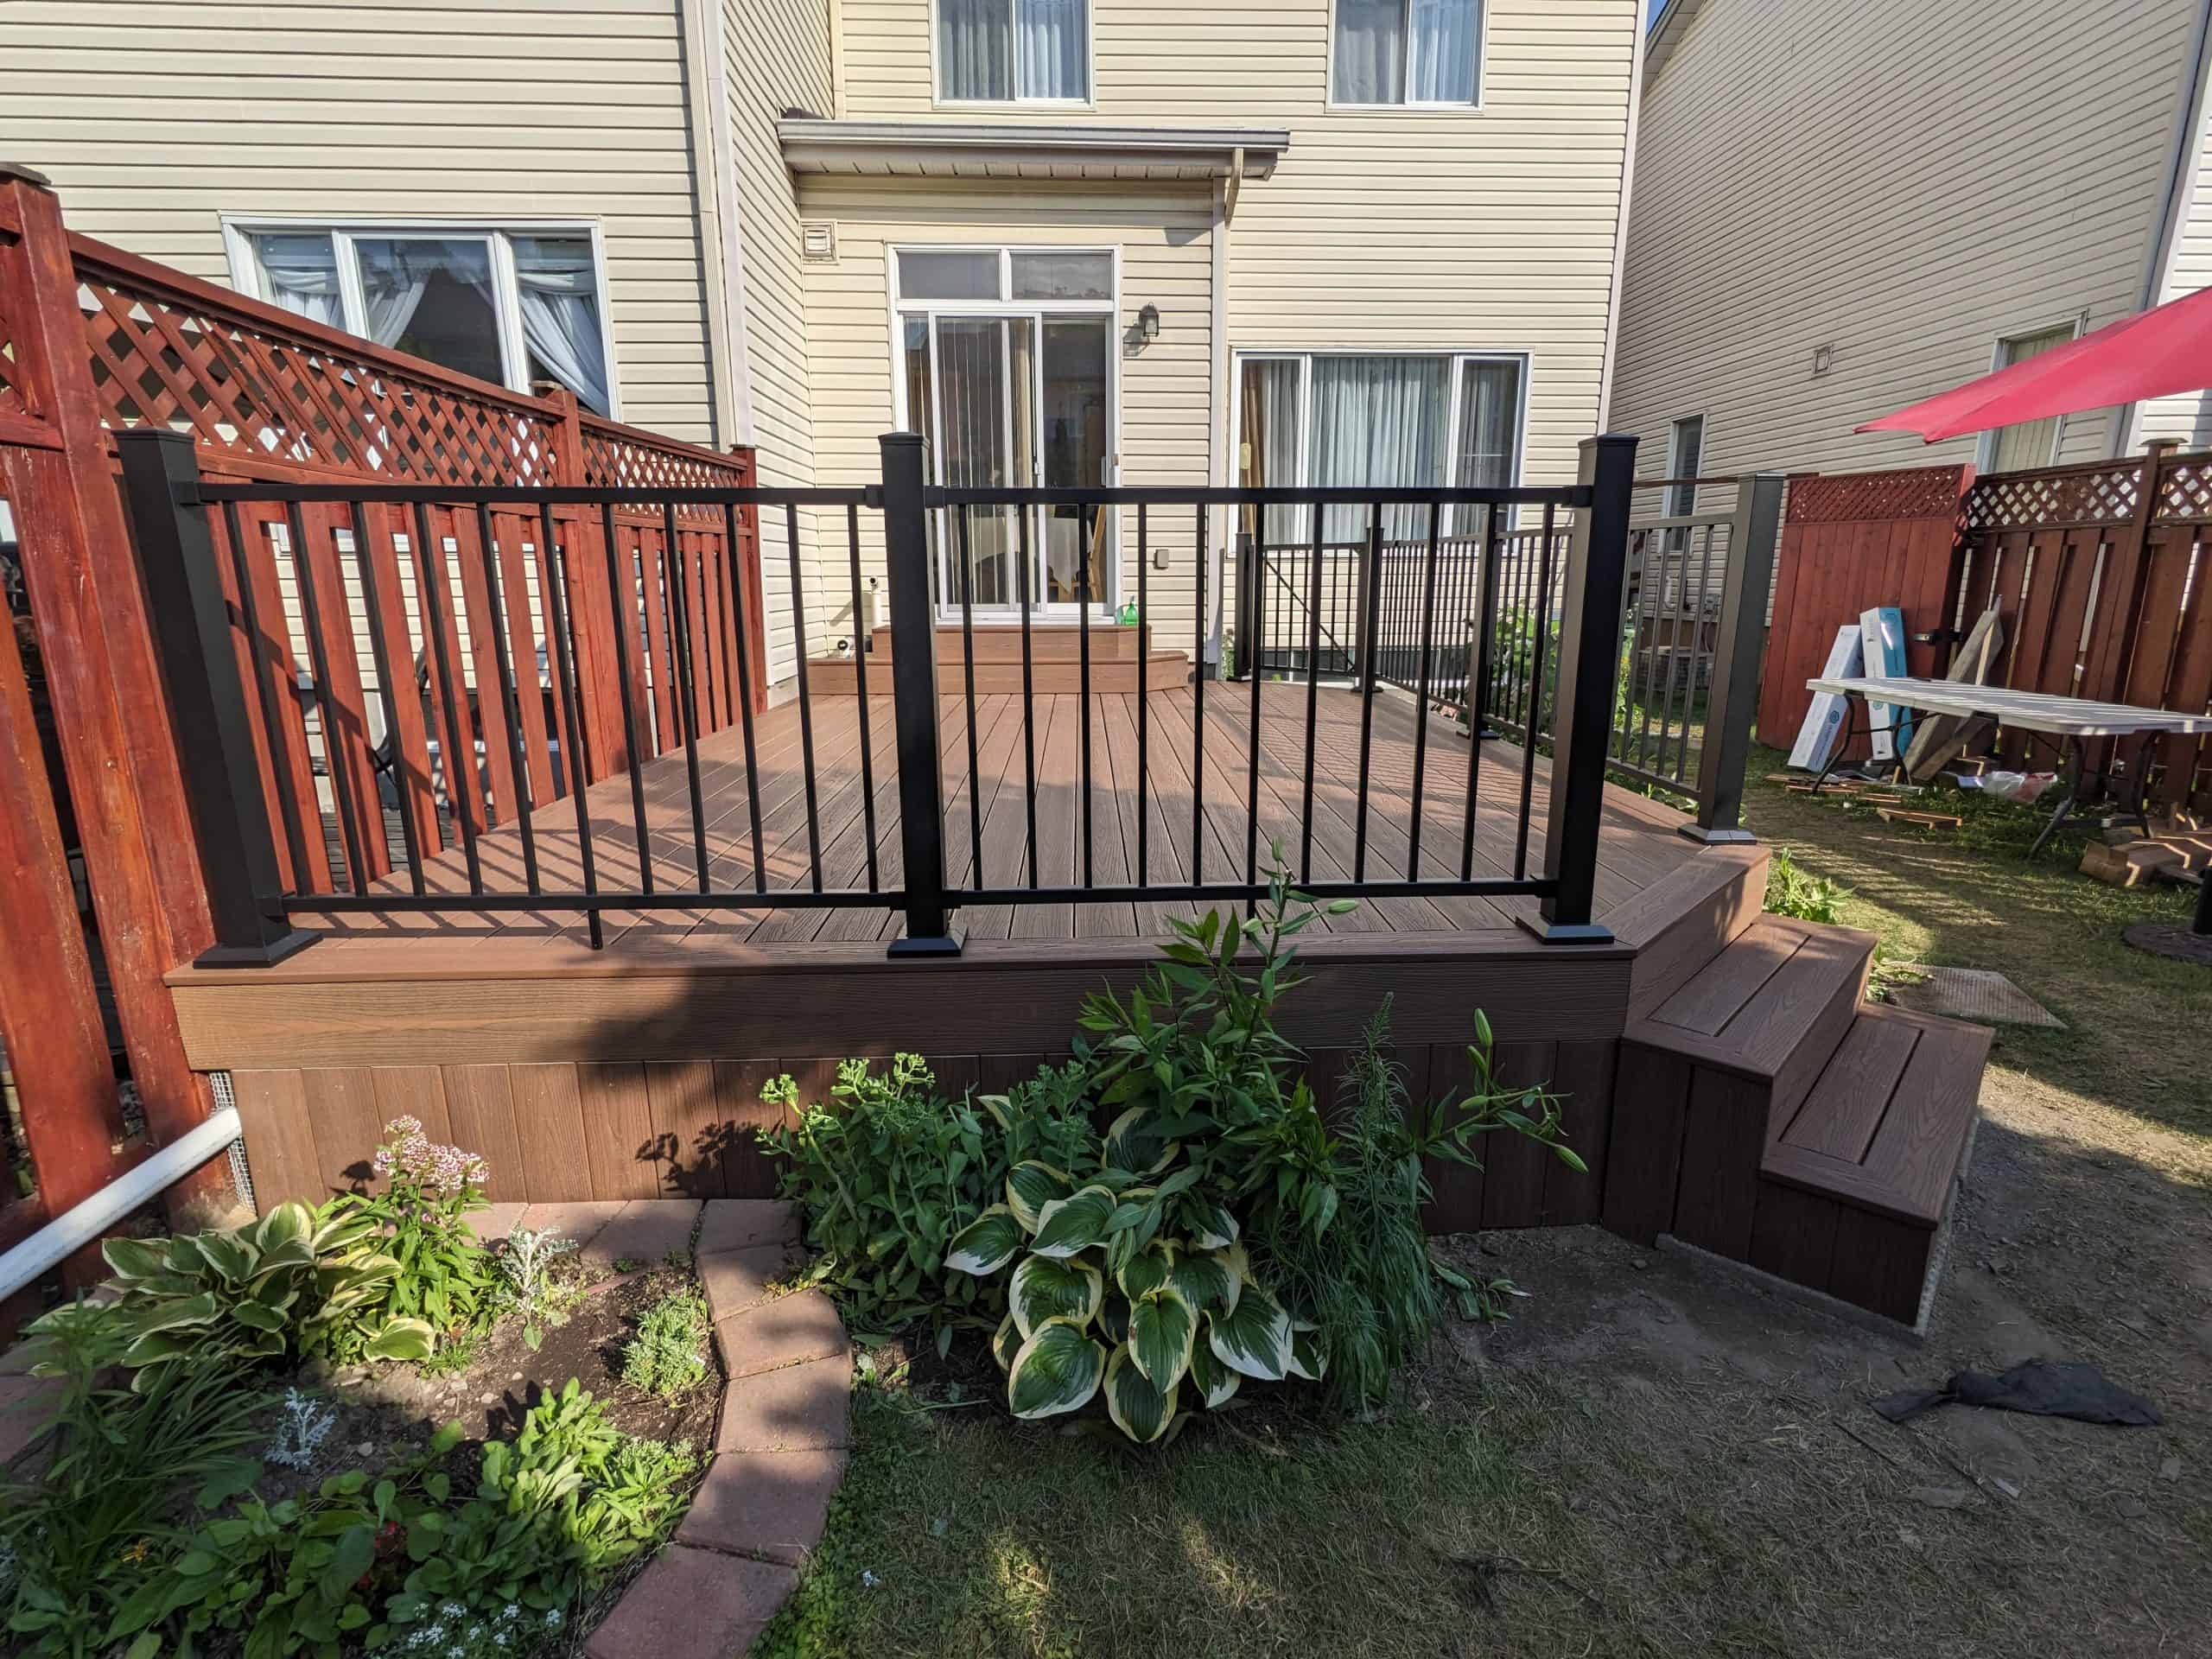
(853, 808)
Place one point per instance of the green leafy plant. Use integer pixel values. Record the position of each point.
(293, 1283)
(668, 1356)
(526, 1266)
(1792, 890)
(110, 1505)
(1151, 1264)
(444, 1276)
(399, 1561)
(888, 1171)
(1368, 1281)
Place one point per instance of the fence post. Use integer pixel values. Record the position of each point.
(214, 743)
(1582, 707)
(914, 700)
(1733, 697)
(101, 675)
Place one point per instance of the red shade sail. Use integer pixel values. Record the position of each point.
(2153, 354)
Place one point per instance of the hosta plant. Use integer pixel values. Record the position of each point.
(887, 1170)
(292, 1283)
(1131, 1285)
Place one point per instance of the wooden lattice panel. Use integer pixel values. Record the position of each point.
(616, 455)
(2041, 501)
(248, 392)
(14, 399)
(2185, 489)
(1905, 492)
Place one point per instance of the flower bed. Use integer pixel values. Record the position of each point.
(359, 1428)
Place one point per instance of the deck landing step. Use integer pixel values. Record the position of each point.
(1765, 1113)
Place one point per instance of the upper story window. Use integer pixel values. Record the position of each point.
(1013, 51)
(1408, 51)
(2031, 443)
(508, 306)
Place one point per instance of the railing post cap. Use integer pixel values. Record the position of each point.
(27, 173)
(914, 438)
(135, 435)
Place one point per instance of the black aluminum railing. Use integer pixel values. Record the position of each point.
(645, 647)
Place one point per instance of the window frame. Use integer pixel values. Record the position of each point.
(239, 230)
(939, 100)
(1454, 394)
(1675, 494)
(1476, 105)
(1985, 450)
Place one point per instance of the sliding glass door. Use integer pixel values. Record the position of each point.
(1013, 396)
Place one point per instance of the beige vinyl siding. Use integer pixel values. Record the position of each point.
(1165, 260)
(153, 119)
(1463, 230)
(777, 57)
(2186, 417)
(1904, 180)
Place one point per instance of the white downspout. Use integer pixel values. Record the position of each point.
(1221, 429)
(721, 238)
(66, 1234)
(1620, 224)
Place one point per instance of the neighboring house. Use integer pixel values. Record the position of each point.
(1840, 210)
(1310, 241)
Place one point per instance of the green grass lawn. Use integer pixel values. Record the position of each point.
(1653, 1460)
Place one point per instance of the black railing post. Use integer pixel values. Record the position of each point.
(207, 709)
(914, 700)
(1247, 593)
(1732, 695)
(1582, 707)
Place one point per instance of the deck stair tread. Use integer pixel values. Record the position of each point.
(1752, 1009)
(1885, 1125)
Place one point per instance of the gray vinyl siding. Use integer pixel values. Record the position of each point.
(2186, 417)
(155, 119)
(1903, 181)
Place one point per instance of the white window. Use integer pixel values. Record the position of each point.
(1013, 51)
(1416, 52)
(1309, 421)
(508, 306)
(2031, 443)
(1685, 455)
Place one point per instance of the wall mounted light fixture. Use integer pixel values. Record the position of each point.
(1149, 322)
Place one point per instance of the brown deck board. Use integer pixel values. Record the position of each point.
(1637, 848)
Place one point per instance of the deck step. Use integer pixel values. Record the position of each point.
(1711, 1074)
(1855, 1187)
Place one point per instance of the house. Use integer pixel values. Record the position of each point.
(1302, 241)
(1841, 210)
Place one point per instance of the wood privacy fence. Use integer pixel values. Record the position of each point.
(387, 656)
(2101, 581)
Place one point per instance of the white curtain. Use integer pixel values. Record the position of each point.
(1378, 421)
(1371, 51)
(1271, 441)
(972, 41)
(559, 289)
(1490, 424)
(301, 274)
(1051, 43)
(1444, 34)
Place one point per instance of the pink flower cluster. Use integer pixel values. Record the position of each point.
(410, 1157)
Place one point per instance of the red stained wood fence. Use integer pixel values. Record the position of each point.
(2102, 585)
(1848, 543)
(386, 642)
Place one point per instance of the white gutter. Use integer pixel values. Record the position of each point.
(61, 1238)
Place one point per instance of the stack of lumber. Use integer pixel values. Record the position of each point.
(2179, 852)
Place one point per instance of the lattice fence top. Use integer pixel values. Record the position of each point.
(2054, 497)
(249, 392)
(2185, 489)
(1906, 492)
(12, 400)
(616, 455)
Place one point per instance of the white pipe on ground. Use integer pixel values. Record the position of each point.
(64, 1236)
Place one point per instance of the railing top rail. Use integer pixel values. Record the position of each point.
(561, 495)
(1682, 521)
(1563, 495)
